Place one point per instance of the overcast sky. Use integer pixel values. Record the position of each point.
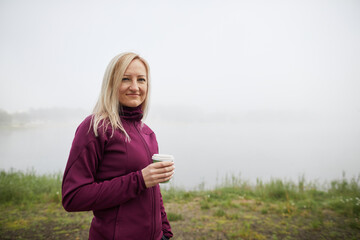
(215, 55)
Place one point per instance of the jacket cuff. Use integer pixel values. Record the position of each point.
(142, 181)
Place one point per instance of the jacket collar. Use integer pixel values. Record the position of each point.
(131, 113)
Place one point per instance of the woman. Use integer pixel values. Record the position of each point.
(110, 170)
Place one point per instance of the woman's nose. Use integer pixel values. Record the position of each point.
(134, 85)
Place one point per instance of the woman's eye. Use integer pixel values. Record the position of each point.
(126, 79)
(142, 79)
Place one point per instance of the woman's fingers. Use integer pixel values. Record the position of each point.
(162, 170)
(170, 176)
(159, 165)
(158, 172)
(166, 178)
(162, 174)
(165, 175)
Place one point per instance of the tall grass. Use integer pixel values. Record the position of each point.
(342, 195)
(18, 187)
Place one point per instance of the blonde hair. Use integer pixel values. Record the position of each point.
(108, 107)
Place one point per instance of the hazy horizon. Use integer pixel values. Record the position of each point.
(208, 146)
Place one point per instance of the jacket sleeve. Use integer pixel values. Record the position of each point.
(166, 228)
(81, 192)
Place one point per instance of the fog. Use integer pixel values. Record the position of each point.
(208, 147)
(257, 88)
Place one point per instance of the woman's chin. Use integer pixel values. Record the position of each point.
(131, 104)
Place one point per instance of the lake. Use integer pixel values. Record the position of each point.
(208, 151)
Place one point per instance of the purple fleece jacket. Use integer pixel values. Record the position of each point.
(103, 174)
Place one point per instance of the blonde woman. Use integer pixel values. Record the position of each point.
(110, 170)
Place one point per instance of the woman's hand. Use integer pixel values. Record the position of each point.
(157, 172)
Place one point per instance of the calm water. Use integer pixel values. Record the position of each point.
(207, 152)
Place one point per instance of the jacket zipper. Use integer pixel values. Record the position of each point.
(152, 189)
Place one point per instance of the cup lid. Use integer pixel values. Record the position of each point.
(162, 157)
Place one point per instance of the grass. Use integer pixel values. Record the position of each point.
(174, 217)
(31, 209)
(26, 188)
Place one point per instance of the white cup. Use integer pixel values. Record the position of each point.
(163, 158)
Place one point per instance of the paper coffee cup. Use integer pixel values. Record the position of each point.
(163, 158)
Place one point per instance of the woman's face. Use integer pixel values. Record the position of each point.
(133, 87)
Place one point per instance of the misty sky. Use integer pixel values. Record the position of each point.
(270, 88)
(300, 56)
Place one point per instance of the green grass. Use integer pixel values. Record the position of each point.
(174, 216)
(17, 187)
(277, 209)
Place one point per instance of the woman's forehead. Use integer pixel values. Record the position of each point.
(136, 67)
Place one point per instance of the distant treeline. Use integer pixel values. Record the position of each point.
(40, 115)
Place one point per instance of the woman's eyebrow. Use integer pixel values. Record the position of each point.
(131, 75)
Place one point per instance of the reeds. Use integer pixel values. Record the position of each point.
(343, 196)
(18, 187)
